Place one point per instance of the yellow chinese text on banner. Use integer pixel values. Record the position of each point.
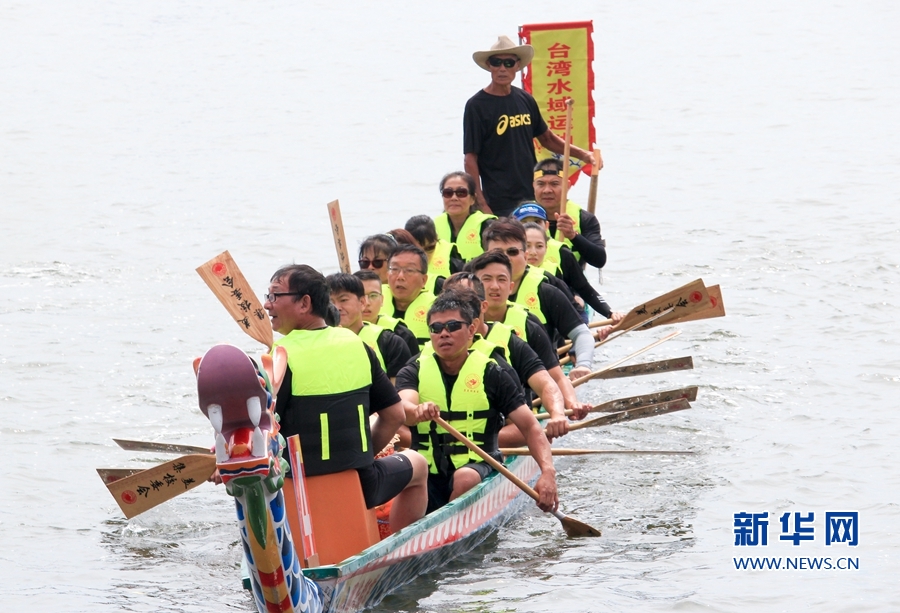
(561, 69)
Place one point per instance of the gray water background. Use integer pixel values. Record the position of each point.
(753, 145)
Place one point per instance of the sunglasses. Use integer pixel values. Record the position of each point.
(461, 192)
(452, 326)
(497, 62)
(510, 251)
(376, 263)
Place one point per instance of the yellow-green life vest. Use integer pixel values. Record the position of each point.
(573, 211)
(416, 318)
(369, 333)
(387, 322)
(552, 259)
(465, 407)
(527, 296)
(515, 318)
(439, 265)
(487, 347)
(500, 334)
(329, 408)
(468, 241)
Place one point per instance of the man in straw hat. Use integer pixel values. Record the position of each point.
(499, 125)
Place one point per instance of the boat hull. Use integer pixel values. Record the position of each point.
(364, 580)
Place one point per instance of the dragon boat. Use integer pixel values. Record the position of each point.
(284, 572)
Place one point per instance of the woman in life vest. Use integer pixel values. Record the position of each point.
(374, 252)
(461, 223)
(443, 258)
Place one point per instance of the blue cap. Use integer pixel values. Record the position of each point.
(530, 209)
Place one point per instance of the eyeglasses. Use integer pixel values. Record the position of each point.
(373, 295)
(406, 271)
(376, 263)
(496, 62)
(461, 192)
(452, 326)
(274, 295)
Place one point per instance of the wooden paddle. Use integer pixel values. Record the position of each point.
(566, 147)
(661, 304)
(114, 474)
(715, 309)
(649, 368)
(337, 230)
(565, 348)
(632, 414)
(633, 402)
(148, 488)
(598, 373)
(599, 324)
(688, 298)
(565, 451)
(159, 447)
(592, 191)
(227, 282)
(572, 526)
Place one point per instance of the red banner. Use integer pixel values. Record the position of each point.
(562, 68)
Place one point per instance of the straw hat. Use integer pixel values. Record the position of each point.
(505, 46)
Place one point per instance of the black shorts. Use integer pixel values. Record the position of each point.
(441, 486)
(385, 478)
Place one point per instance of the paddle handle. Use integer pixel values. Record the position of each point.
(569, 451)
(592, 192)
(566, 146)
(487, 458)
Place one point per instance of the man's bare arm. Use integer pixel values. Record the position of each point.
(552, 142)
(539, 447)
(470, 164)
(386, 425)
(552, 401)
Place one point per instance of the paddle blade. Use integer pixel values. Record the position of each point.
(715, 309)
(159, 447)
(632, 414)
(227, 282)
(649, 368)
(632, 402)
(144, 490)
(114, 474)
(575, 528)
(337, 231)
(686, 299)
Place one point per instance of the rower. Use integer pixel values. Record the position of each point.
(530, 289)
(374, 298)
(348, 295)
(443, 257)
(572, 225)
(461, 223)
(494, 270)
(374, 252)
(406, 297)
(473, 394)
(499, 342)
(332, 384)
